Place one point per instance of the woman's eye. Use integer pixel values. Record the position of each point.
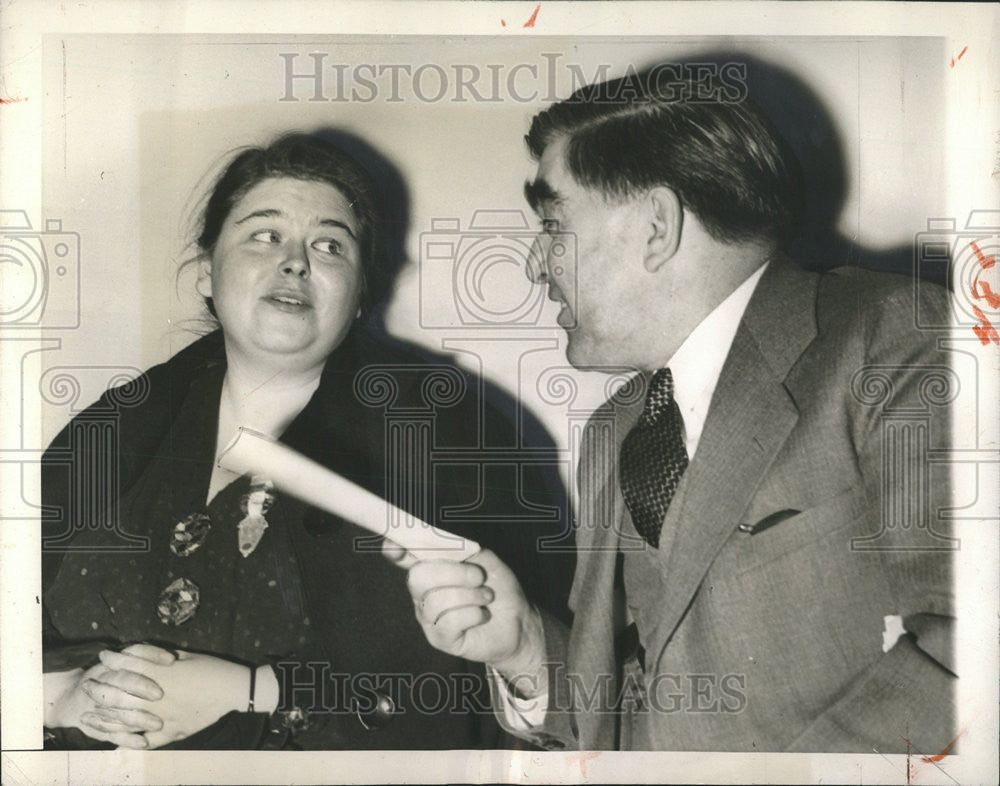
(333, 247)
(266, 236)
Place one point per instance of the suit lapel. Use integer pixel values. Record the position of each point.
(750, 417)
(598, 605)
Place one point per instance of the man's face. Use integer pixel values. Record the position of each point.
(596, 287)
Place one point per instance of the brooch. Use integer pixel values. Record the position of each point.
(255, 504)
(189, 534)
(178, 602)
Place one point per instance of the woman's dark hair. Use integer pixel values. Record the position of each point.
(694, 131)
(302, 157)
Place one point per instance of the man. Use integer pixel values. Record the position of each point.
(759, 561)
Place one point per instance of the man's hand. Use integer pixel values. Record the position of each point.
(476, 610)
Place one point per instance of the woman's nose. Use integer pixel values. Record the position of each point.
(295, 261)
(534, 266)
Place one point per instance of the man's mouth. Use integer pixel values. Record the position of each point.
(565, 317)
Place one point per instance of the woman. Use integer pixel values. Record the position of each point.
(252, 620)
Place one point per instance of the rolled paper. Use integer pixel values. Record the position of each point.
(295, 474)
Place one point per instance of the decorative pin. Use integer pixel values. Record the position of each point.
(178, 602)
(189, 534)
(258, 502)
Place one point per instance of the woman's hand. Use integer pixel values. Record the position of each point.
(197, 690)
(69, 703)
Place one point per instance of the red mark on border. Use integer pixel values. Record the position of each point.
(984, 261)
(985, 330)
(12, 100)
(534, 16)
(981, 290)
(987, 294)
(954, 59)
(582, 759)
(942, 754)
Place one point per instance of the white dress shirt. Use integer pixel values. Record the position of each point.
(695, 366)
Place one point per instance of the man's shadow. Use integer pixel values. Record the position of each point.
(804, 121)
(541, 494)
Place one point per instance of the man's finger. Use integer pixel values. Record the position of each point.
(398, 555)
(441, 600)
(449, 629)
(428, 575)
(150, 652)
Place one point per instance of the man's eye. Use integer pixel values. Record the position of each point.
(266, 236)
(550, 225)
(333, 247)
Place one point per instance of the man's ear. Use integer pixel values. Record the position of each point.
(204, 284)
(664, 217)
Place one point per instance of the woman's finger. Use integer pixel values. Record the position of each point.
(126, 720)
(150, 652)
(108, 731)
(108, 695)
(123, 672)
(99, 722)
(126, 740)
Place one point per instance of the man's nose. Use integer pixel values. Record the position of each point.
(535, 266)
(295, 261)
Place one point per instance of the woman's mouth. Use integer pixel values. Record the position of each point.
(287, 301)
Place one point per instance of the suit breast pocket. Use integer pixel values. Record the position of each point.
(830, 524)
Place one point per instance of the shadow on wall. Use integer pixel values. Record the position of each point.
(510, 422)
(802, 118)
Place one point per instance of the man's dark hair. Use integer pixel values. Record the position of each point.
(682, 128)
(302, 157)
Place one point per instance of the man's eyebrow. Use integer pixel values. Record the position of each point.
(274, 213)
(539, 192)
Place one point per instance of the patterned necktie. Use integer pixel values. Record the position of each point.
(653, 458)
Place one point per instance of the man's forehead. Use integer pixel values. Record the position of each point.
(552, 163)
(552, 181)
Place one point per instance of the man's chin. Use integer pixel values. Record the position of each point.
(581, 359)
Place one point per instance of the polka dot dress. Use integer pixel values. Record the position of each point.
(198, 586)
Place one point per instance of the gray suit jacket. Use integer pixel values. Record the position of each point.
(808, 514)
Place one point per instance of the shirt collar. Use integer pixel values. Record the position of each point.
(697, 363)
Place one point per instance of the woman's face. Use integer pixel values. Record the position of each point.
(285, 276)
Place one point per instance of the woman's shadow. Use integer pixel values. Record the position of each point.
(539, 496)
